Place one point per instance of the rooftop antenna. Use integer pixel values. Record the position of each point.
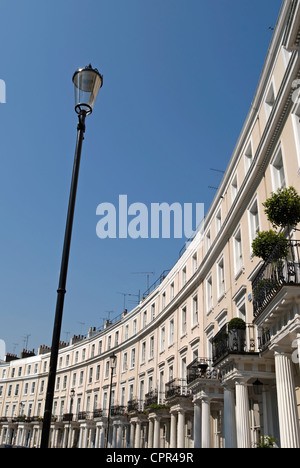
(26, 339)
(82, 324)
(67, 333)
(217, 170)
(146, 273)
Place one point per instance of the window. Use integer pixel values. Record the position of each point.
(172, 291)
(195, 310)
(106, 373)
(81, 378)
(248, 157)
(253, 220)
(151, 348)
(152, 312)
(208, 240)
(144, 318)
(91, 375)
(296, 126)
(171, 332)
(218, 221)
(132, 358)
(65, 382)
(109, 342)
(238, 253)
(270, 100)
(234, 188)
(74, 380)
(221, 278)
(143, 352)
(124, 362)
(162, 338)
(100, 347)
(163, 301)
(126, 334)
(183, 321)
(56, 388)
(83, 354)
(93, 351)
(183, 276)
(134, 325)
(194, 263)
(209, 294)
(98, 372)
(117, 338)
(278, 174)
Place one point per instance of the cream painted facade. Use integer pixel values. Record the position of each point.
(177, 383)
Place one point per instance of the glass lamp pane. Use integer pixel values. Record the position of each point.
(87, 83)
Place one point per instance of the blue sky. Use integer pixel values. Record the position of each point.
(179, 78)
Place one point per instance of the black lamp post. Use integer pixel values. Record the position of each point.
(87, 82)
(112, 364)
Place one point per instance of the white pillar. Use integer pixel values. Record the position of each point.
(156, 438)
(114, 438)
(132, 434)
(181, 429)
(242, 415)
(120, 436)
(137, 434)
(229, 418)
(173, 431)
(205, 426)
(150, 433)
(197, 424)
(287, 405)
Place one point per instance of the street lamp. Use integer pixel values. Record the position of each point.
(112, 364)
(87, 82)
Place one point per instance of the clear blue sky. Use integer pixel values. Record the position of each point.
(179, 78)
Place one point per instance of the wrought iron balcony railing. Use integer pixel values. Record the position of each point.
(274, 274)
(201, 368)
(151, 398)
(234, 341)
(118, 410)
(175, 388)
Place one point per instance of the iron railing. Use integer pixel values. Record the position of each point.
(201, 368)
(175, 388)
(234, 341)
(274, 274)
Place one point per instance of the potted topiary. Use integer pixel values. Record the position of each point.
(283, 208)
(270, 242)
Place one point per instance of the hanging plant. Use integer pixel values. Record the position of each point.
(270, 242)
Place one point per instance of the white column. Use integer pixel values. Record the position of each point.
(132, 434)
(181, 429)
(173, 431)
(242, 415)
(150, 433)
(137, 434)
(156, 438)
(229, 418)
(205, 426)
(287, 405)
(102, 435)
(114, 438)
(197, 424)
(120, 436)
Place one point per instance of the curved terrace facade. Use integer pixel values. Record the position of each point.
(184, 376)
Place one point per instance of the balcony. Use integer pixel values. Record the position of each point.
(201, 368)
(234, 341)
(151, 398)
(118, 410)
(274, 275)
(176, 388)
